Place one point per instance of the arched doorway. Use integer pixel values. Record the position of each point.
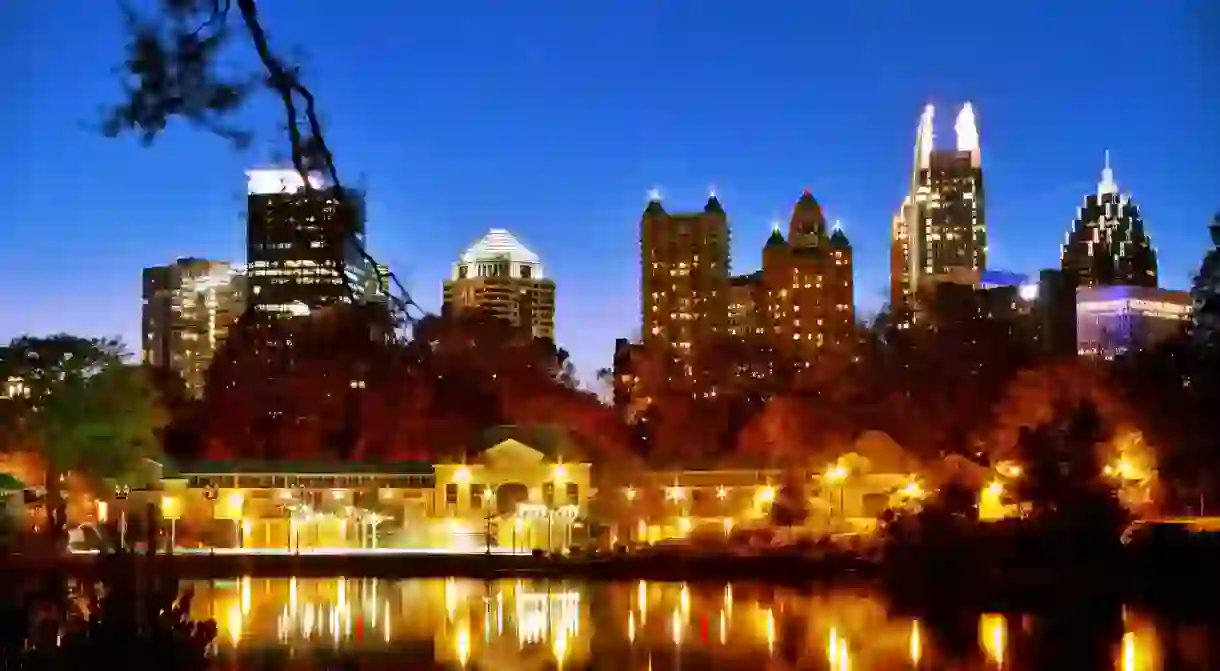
(509, 495)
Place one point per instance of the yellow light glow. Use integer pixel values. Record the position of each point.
(235, 624)
(912, 490)
(728, 598)
(631, 627)
(684, 525)
(721, 492)
(684, 599)
(836, 473)
(629, 493)
(235, 501)
(462, 644)
(996, 488)
(766, 494)
(462, 474)
(916, 643)
(641, 596)
(102, 511)
(245, 595)
(832, 648)
(1129, 658)
(676, 493)
(561, 472)
(675, 624)
(247, 526)
(337, 494)
(770, 631)
(993, 632)
(728, 525)
(724, 627)
(170, 509)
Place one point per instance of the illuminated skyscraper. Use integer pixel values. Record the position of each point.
(940, 234)
(1108, 244)
(188, 307)
(499, 274)
(684, 282)
(808, 280)
(294, 239)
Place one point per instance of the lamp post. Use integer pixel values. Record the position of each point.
(836, 475)
(211, 493)
(120, 494)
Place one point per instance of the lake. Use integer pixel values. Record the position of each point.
(546, 624)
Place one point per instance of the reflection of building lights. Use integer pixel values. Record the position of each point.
(724, 627)
(770, 631)
(993, 632)
(728, 525)
(462, 644)
(916, 643)
(728, 598)
(245, 595)
(235, 623)
(684, 599)
(641, 594)
(675, 624)
(450, 597)
(631, 626)
(832, 647)
(1129, 651)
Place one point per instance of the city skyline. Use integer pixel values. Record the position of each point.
(848, 143)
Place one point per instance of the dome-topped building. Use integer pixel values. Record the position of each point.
(1108, 244)
(501, 275)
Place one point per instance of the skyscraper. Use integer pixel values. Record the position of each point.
(293, 241)
(499, 274)
(808, 280)
(684, 282)
(188, 307)
(1108, 244)
(940, 234)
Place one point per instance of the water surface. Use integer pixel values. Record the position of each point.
(549, 624)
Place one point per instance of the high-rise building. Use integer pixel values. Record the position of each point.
(1112, 320)
(808, 283)
(499, 274)
(294, 239)
(941, 232)
(684, 283)
(1108, 244)
(188, 307)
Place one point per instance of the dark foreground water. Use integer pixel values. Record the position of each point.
(545, 624)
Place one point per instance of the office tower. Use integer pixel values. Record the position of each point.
(188, 307)
(808, 283)
(294, 241)
(1055, 313)
(940, 234)
(1108, 244)
(684, 283)
(1113, 320)
(499, 274)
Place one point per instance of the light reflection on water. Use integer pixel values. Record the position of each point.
(543, 624)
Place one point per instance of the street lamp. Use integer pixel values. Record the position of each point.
(836, 474)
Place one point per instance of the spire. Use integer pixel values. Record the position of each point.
(654, 195)
(1107, 184)
(924, 138)
(968, 133)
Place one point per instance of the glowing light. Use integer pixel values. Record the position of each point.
(675, 624)
(912, 490)
(766, 494)
(337, 494)
(102, 511)
(993, 630)
(235, 624)
(832, 648)
(654, 195)
(728, 525)
(770, 631)
(629, 493)
(245, 595)
(836, 473)
(462, 474)
(675, 493)
(967, 132)
(916, 643)
(684, 525)
(561, 472)
(721, 492)
(631, 627)
(724, 627)
(170, 509)
(268, 181)
(641, 596)
(684, 599)
(462, 644)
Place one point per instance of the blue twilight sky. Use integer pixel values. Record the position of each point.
(552, 118)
